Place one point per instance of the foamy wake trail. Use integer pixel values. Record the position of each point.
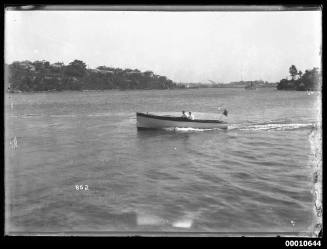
(279, 127)
(190, 129)
(252, 127)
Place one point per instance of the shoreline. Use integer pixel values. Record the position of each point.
(120, 90)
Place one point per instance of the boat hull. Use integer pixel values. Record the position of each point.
(149, 121)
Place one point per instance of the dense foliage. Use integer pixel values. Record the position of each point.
(310, 80)
(43, 76)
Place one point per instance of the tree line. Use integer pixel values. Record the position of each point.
(30, 76)
(310, 80)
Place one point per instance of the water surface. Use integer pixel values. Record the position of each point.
(254, 177)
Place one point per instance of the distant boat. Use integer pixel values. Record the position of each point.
(150, 121)
(250, 86)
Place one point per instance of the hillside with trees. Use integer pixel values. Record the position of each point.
(27, 76)
(310, 80)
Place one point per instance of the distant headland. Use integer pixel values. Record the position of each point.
(37, 76)
(27, 76)
(310, 80)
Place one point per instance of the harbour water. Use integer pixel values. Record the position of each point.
(256, 176)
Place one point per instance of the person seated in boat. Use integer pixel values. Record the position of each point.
(190, 116)
(184, 115)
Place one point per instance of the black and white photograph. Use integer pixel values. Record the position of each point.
(163, 121)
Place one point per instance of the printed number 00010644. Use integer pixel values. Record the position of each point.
(301, 243)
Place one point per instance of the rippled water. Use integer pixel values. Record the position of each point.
(257, 176)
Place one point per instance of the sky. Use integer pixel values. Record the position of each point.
(184, 46)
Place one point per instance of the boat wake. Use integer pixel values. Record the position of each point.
(272, 126)
(190, 129)
(253, 127)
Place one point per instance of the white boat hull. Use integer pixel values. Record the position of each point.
(159, 122)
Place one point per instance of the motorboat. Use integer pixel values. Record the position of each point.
(151, 121)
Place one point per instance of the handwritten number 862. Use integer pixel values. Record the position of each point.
(81, 187)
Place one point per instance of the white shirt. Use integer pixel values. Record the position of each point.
(191, 116)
